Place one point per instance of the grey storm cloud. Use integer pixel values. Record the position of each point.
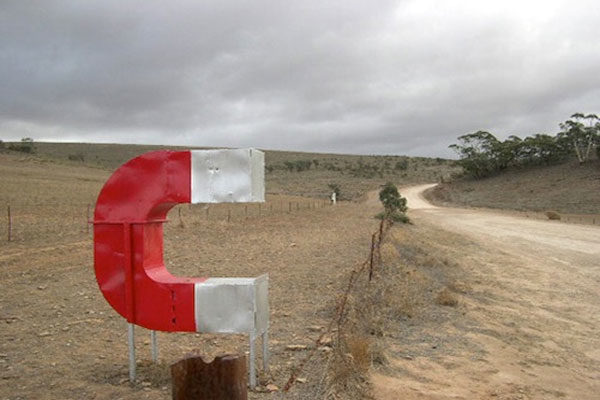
(393, 77)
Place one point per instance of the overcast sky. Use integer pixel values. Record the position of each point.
(348, 76)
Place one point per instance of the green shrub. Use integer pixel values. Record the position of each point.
(289, 165)
(394, 217)
(401, 165)
(394, 205)
(391, 199)
(25, 146)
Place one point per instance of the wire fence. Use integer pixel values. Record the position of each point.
(26, 222)
(366, 268)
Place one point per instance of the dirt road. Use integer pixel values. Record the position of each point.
(528, 320)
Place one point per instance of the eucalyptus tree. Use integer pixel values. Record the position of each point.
(582, 138)
(479, 153)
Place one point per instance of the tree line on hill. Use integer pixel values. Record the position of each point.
(24, 146)
(482, 154)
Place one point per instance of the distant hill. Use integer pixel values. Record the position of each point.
(567, 188)
(294, 173)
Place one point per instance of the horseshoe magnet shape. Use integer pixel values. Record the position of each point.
(128, 228)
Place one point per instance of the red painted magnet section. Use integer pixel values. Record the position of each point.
(128, 242)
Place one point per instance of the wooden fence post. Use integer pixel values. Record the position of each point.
(225, 378)
(87, 220)
(9, 225)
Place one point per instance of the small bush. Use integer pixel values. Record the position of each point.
(302, 165)
(391, 199)
(76, 157)
(553, 215)
(289, 165)
(25, 146)
(394, 204)
(401, 165)
(446, 298)
(395, 217)
(359, 348)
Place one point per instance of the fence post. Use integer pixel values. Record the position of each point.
(228, 214)
(87, 221)
(224, 378)
(9, 225)
(207, 213)
(259, 209)
(372, 255)
(290, 206)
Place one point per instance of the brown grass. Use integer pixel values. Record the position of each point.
(377, 310)
(325, 168)
(565, 188)
(553, 215)
(446, 298)
(48, 284)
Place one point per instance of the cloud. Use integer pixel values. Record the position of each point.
(402, 77)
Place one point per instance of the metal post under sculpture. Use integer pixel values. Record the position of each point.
(128, 243)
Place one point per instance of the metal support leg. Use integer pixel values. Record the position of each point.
(251, 371)
(131, 340)
(154, 346)
(265, 349)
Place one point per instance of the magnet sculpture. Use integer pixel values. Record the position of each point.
(128, 246)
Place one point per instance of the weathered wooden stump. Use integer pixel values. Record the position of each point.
(225, 378)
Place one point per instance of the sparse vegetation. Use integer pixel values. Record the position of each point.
(446, 298)
(77, 157)
(281, 178)
(401, 165)
(566, 188)
(24, 146)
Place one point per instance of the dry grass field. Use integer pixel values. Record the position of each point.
(355, 175)
(425, 326)
(565, 188)
(61, 340)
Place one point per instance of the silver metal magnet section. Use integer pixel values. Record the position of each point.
(235, 305)
(228, 176)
